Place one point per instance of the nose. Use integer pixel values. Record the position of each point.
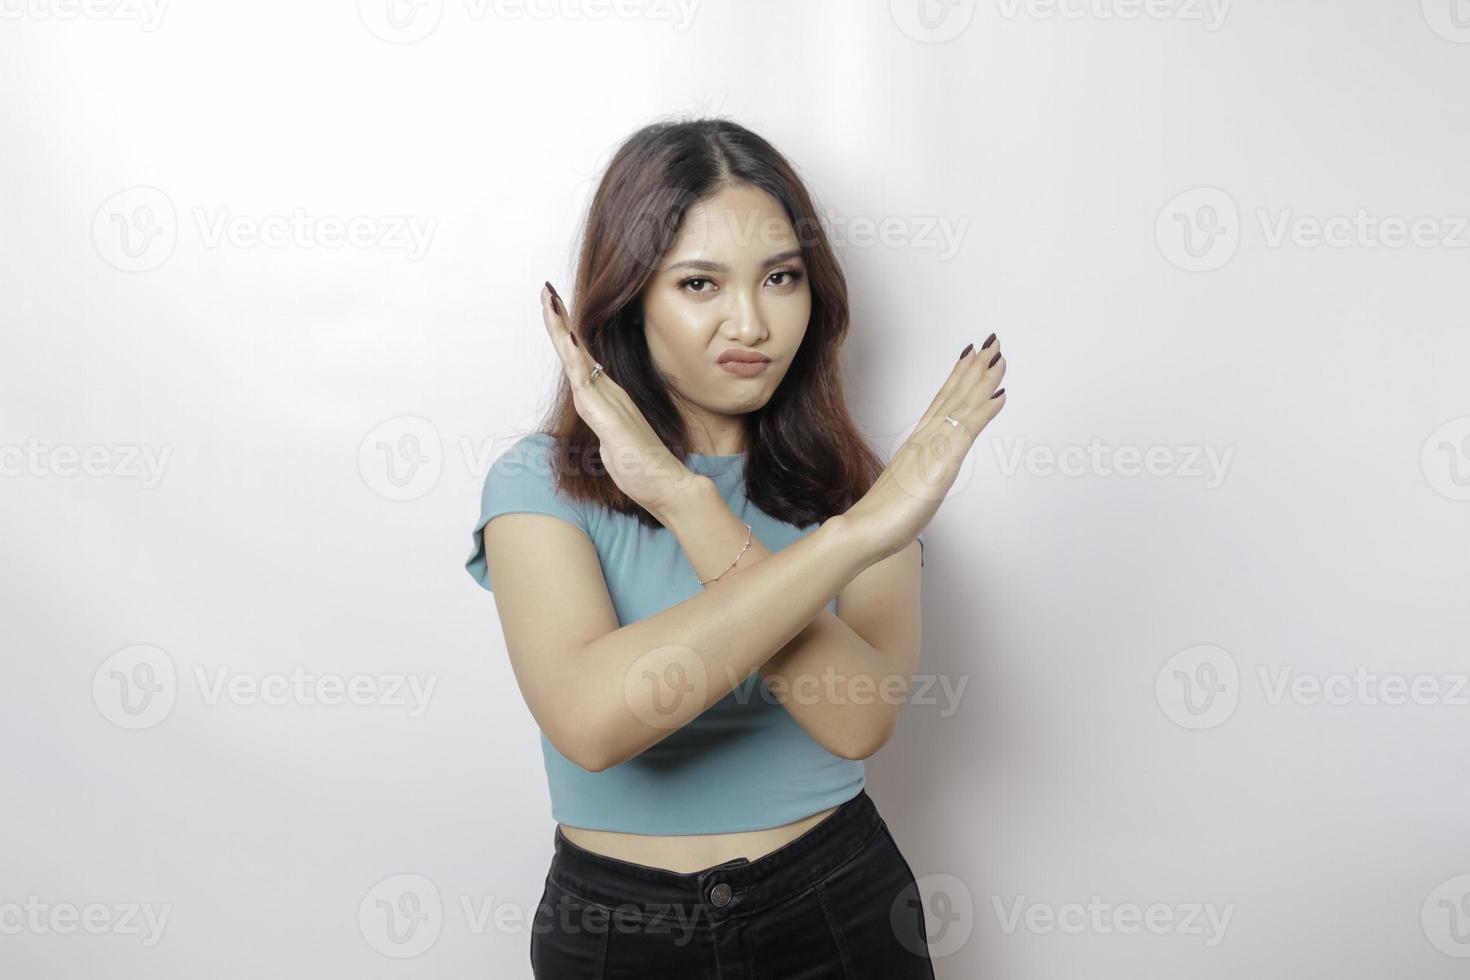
(744, 322)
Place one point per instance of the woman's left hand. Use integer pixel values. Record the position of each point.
(633, 454)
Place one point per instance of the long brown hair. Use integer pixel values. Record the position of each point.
(806, 460)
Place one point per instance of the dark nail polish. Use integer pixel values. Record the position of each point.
(555, 299)
(998, 393)
(968, 348)
(988, 341)
(574, 339)
(994, 359)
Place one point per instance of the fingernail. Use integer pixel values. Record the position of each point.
(555, 299)
(998, 393)
(968, 348)
(994, 359)
(988, 341)
(574, 339)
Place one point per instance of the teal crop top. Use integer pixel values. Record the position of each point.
(744, 764)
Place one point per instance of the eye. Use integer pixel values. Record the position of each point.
(792, 276)
(685, 283)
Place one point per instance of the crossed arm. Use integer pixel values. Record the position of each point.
(843, 678)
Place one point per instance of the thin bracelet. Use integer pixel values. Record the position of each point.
(737, 557)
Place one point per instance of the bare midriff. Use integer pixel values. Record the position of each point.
(690, 852)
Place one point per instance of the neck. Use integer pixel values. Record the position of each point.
(713, 439)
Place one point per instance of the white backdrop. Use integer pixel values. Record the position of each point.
(1192, 697)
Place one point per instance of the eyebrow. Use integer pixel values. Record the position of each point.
(722, 267)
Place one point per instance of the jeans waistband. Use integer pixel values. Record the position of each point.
(748, 886)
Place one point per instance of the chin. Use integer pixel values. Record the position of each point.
(740, 406)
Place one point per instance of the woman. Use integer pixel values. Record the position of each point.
(709, 584)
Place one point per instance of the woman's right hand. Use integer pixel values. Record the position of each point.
(632, 453)
(908, 492)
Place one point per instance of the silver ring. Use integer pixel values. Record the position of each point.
(596, 370)
(952, 421)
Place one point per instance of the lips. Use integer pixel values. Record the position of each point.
(742, 363)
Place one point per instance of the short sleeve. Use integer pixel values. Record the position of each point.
(521, 480)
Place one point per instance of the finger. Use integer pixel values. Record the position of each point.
(972, 401)
(961, 377)
(951, 384)
(574, 359)
(994, 375)
(985, 400)
(982, 381)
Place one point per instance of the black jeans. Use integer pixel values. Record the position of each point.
(838, 902)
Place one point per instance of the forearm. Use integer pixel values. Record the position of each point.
(640, 683)
(843, 691)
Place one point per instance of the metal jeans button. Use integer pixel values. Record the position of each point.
(719, 895)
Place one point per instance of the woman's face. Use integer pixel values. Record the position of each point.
(732, 282)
